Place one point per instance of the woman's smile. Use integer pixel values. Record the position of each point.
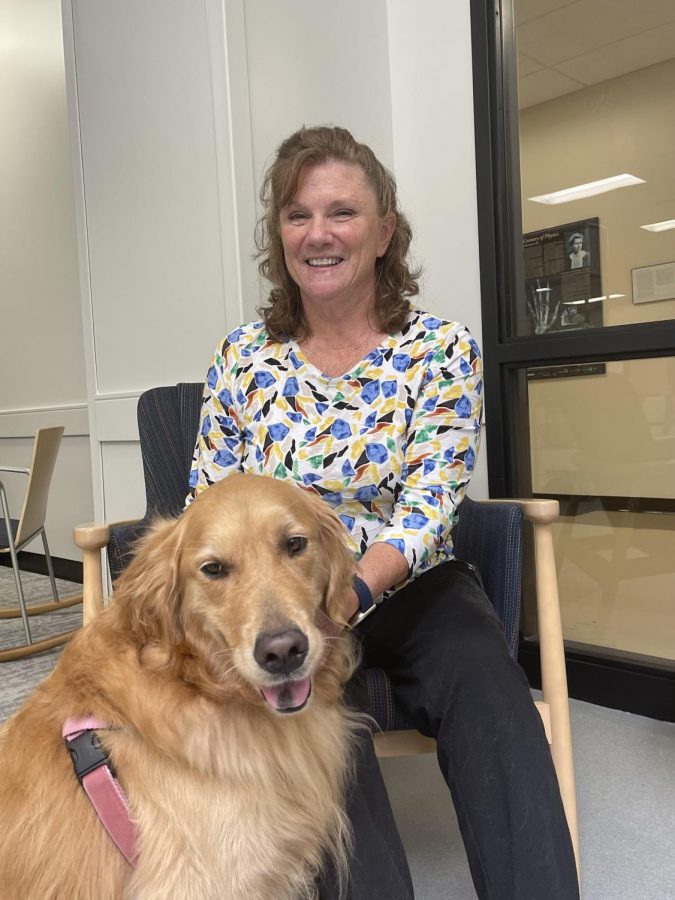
(332, 234)
(324, 262)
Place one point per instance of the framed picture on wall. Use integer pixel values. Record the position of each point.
(563, 287)
(653, 283)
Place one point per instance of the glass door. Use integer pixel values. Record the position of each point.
(575, 110)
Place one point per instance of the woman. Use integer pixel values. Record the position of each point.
(348, 390)
(578, 257)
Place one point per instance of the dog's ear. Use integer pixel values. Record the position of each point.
(147, 595)
(338, 559)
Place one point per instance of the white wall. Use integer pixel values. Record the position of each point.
(434, 158)
(434, 154)
(152, 231)
(302, 72)
(176, 110)
(41, 349)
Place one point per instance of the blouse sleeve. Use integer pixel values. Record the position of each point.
(440, 451)
(220, 441)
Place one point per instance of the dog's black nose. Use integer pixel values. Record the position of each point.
(281, 652)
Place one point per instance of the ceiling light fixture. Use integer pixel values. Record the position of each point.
(588, 190)
(659, 226)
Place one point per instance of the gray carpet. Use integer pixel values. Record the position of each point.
(625, 767)
(19, 677)
(625, 772)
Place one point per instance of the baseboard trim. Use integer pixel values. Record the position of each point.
(617, 684)
(67, 569)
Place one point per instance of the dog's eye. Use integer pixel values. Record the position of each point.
(296, 544)
(213, 570)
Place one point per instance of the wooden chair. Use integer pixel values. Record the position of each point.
(16, 533)
(554, 705)
(488, 535)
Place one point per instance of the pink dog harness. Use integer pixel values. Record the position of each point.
(95, 774)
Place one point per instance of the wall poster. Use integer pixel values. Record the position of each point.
(651, 283)
(563, 288)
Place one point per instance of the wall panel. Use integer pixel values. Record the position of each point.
(41, 343)
(149, 177)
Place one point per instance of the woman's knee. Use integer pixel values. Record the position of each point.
(458, 624)
(459, 658)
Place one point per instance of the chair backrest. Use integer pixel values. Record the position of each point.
(34, 512)
(489, 536)
(168, 421)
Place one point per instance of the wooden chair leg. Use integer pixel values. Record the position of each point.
(553, 672)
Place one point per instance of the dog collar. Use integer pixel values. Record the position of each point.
(96, 776)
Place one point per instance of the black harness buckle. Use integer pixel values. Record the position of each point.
(87, 754)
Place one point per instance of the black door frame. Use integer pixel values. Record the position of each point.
(598, 675)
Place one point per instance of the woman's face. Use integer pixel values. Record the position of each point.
(332, 234)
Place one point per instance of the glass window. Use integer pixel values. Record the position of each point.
(602, 438)
(597, 102)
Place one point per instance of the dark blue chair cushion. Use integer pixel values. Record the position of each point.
(487, 535)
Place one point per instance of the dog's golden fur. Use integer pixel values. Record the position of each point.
(231, 798)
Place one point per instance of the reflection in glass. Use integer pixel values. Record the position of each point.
(590, 110)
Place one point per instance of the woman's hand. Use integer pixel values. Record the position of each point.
(381, 567)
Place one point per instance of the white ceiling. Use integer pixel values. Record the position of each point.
(567, 45)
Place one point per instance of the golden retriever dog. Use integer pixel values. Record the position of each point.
(219, 679)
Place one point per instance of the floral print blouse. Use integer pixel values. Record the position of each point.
(390, 445)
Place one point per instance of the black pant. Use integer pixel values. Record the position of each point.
(442, 645)
(378, 868)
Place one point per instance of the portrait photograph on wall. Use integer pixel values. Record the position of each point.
(563, 287)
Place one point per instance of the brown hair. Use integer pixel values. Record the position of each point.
(395, 282)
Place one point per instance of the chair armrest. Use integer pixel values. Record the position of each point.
(534, 510)
(16, 469)
(542, 513)
(91, 539)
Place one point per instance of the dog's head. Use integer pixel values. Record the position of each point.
(239, 592)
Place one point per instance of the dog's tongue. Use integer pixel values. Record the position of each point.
(289, 695)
